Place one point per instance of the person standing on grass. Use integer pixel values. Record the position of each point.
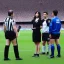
(36, 35)
(45, 33)
(10, 34)
(54, 30)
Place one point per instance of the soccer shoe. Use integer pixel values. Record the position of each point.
(51, 56)
(19, 59)
(35, 55)
(58, 56)
(6, 59)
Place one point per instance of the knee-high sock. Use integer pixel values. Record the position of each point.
(58, 49)
(6, 50)
(16, 51)
(52, 49)
(49, 48)
(43, 48)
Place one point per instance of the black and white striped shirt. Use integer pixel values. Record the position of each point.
(9, 23)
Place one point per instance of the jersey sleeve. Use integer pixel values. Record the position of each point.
(13, 23)
(5, 22)
(48, 22)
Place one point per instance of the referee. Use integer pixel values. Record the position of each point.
(10, 35)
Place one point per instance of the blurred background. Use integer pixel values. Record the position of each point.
(24, 9)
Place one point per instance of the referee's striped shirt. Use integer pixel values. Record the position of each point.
(9, 23)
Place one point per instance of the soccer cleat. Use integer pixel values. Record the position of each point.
(19, 59)
(47, 53)
(58, 56)
(35, 55)
(51, 56)
(6, 59)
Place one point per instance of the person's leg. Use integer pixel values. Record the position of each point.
(6, 50)
(44, 36)
(52, 48)
(48, 44)
(35, 54)
(16, 49)
(58, 47)
(43, 47)
(48, 47)
(37, 49)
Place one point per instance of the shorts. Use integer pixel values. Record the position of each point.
(11, 35)
(45, 37)
(55, 36)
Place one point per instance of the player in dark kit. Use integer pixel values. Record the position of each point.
(10, 35)
(45, 33)
(36, 35)
(54, 31)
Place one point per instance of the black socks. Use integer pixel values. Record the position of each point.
(16, 51)
(6, 51)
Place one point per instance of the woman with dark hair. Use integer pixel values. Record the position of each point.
(36, 35)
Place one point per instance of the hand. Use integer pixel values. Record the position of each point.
(50, 35)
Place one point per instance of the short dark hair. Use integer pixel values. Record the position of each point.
(46, 12)
(55, 12)
(10, 12)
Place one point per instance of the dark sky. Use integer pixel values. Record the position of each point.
(24, 9)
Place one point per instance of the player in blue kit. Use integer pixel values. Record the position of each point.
(54, 30)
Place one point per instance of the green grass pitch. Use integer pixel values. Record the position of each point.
(26, 49)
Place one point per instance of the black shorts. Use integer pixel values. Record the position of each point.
(45, 37)
(36, 37)
(55, 36)
(11, 35)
